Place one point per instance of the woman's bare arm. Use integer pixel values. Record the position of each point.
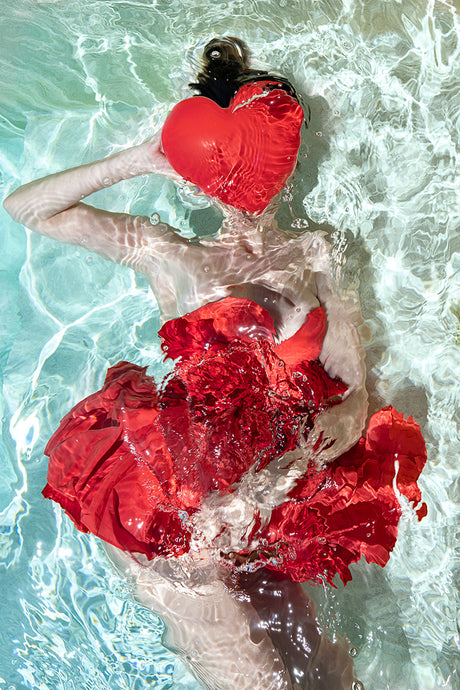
(342, 354)
(52, 206)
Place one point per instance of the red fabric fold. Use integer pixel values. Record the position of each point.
(132, 462)
(306, 344)
(349, 509)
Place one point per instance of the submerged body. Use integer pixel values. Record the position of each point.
(253, 631)
(251, 258)
(220, 626)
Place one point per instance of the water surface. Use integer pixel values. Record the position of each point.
(379, 168)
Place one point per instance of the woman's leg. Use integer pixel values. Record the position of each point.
(216, 634)
(289, 617)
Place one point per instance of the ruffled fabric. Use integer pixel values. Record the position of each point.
(348, 509)
(134, 462)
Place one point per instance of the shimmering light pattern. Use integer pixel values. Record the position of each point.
(83, 79)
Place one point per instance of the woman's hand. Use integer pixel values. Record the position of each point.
(337, 429)
(155, 159)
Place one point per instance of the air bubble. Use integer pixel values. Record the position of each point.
(319, 134)
(206, 269)
(357, 685)
(154, 218)
(299, 223)
(106, 181)
(353, 651)
(89, 259)
(287, 193)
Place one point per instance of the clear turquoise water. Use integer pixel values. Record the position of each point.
(86, 78)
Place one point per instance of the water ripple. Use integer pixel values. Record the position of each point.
(381, 78)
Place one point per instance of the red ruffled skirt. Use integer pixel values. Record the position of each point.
(134, 462)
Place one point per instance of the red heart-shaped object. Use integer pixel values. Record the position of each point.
(242, 154)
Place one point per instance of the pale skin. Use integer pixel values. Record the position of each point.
(289, 276)
(251, 257)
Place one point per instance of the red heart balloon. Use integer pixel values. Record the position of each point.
(242, 154)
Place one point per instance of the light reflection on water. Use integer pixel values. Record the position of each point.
(381, 78)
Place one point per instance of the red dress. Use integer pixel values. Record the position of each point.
(134, 462)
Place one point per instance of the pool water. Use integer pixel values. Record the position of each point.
(379, 172)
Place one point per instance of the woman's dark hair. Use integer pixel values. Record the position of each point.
(226, 69)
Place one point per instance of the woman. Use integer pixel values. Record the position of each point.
(253, 294)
